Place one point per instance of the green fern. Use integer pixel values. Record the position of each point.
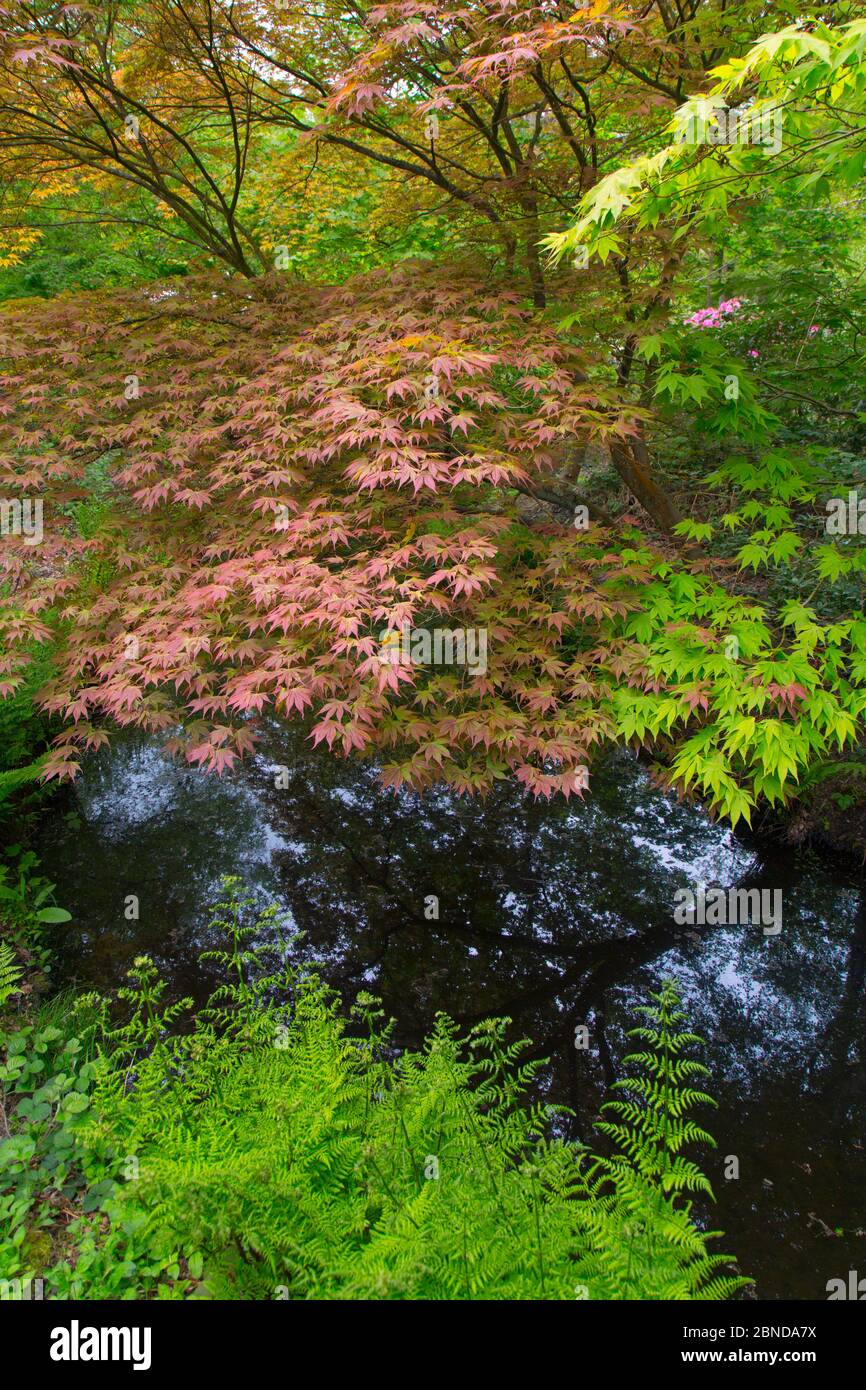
(650, 1175)
(287, 1158)
(18, 777)
(270, 1148)
(10, 973)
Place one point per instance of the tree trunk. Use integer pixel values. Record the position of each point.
(531, 238)
(631, 460)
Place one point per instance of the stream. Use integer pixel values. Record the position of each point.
(557, 915)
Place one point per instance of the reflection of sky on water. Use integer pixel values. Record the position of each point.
(552, 914)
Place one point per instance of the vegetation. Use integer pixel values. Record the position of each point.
(291, 469)
(318, 324)
(268, 1152)
(23, 732)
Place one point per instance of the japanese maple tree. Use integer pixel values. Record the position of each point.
(287, 471)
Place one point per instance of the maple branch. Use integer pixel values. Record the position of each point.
(564, 500)
(632, 462)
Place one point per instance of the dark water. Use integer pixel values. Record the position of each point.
(556, 915)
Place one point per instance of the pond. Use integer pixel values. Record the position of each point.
(557, 915)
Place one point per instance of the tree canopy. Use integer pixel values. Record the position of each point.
(442, 316)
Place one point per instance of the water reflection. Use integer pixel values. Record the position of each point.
(557, 915)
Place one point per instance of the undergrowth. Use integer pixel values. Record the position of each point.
(266, 1151)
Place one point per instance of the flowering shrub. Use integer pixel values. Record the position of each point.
(712, 317)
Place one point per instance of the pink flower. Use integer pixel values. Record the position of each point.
(753, 352)
(712, 317)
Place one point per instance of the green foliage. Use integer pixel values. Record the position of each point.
(811, 81)
(22, 729)
(27, 904)
(652, 1127)
(10, 973)
(79, 249)
(268, 1152)
(17, 777)
(753, 683)
(23, 732)
(38, 1073)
